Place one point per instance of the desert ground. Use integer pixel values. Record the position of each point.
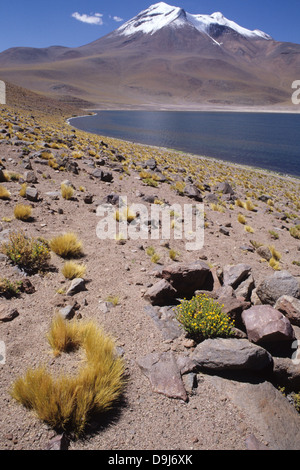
(39, 149)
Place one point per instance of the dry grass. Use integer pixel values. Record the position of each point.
(241, 219)
(66, 245)
(4, 193)
(72, 270)
(22, 212)
(67, 402)
(67, 191)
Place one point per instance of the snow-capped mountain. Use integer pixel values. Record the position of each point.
(165, 58)
(161, 15)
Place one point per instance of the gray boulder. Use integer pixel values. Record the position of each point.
(32, 194)
(280, 283)
(187, 278)
(230, 353)
(234, 275)
(161, 293)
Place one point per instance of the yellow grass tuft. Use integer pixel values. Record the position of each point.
(249, 229)
(22, 212)
(66, 245)
(4, 193)
(67, 191)
(241, 219)
(23, 190)
(72, 270)
(68, 402)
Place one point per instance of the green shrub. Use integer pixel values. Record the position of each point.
(202, 318)
(30, 254)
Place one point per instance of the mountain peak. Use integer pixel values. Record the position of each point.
(161, 15)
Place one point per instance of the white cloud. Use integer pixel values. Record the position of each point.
(118, 19)
(96, 18)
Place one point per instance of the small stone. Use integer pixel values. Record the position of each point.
(8, 316)
(77, 285)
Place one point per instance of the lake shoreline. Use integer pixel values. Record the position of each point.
(179, 148)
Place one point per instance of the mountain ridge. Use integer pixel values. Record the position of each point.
(163, 57)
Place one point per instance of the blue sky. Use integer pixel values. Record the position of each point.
(72, 23)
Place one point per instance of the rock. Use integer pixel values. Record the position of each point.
(245, 288)
(252, 443)
(234, 275)
(230, 354)
(6, 316)
(32, 194)
(54, 195)
(151, 164)
(77, 285)
(161, 293)
(27, 287)
(233, 307)
(193, 192)
(88, 198)
(30, 177)
(67, 312)
(280, 283)
(224, 231)
(225, 188)
(286, 373)
(103, 175)
(187, 278)
(274, 417)
(163, 374)
(264, 252)
(71, 166)
(265, 324)
(105, 307)
(165, 319)
(60, 442)
(107, 176)
(290, 307)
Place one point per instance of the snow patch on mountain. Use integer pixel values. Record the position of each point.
(161, 14)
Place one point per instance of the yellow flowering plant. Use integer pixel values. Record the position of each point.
(202, 317)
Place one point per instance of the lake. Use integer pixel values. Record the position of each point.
(263, 140)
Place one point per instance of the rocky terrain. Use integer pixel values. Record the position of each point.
(236, 393)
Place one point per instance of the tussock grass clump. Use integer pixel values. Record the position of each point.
(72, 270)
(31, 254)
(23, 190)
(22, 212)
(249, 229)
(67, 191)
(241, 219)
(4, 193)
(173, 254)
(295, 231)
(67, 402)
(126, 214)
(66, 245)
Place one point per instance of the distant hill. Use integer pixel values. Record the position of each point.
(163, 57)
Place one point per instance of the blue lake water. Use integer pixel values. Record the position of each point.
(263, 140)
